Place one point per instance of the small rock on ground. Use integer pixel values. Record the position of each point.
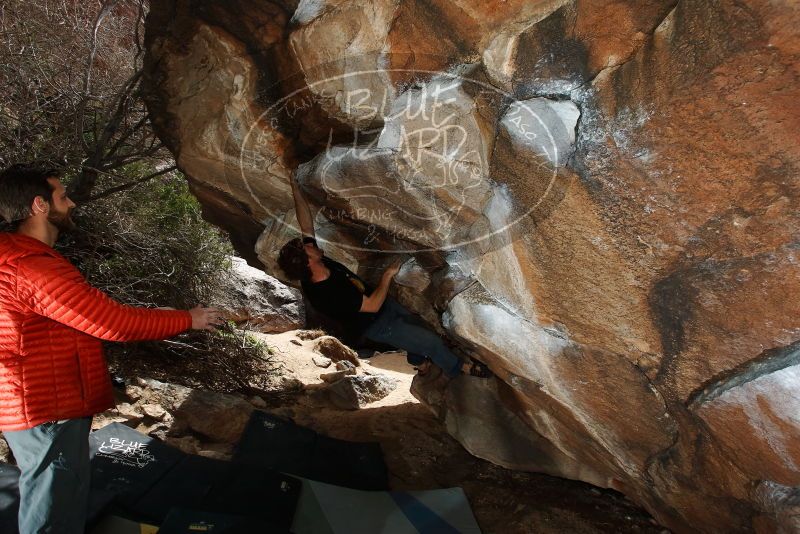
(330, 378)
(131, 412)
(154, 410)
(344, 365)
(218, 416)
(354, 392)
(258, 402)
(321, 361)
(334, 349)
(291, 383)
(307, 335)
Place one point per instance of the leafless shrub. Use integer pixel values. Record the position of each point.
(225, 361)
(69, 90)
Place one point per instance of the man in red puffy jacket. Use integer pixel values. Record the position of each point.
(53, 376)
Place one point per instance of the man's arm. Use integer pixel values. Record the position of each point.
(373, 303)
(301, 209)
(53, 287)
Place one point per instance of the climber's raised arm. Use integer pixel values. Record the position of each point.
(301, 208)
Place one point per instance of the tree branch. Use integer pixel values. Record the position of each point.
(140, 18)
(120, 110)
(87, 78)
(129, 185)
(126, 135)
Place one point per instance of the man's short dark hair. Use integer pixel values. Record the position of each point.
(293, 259)
(20, 184)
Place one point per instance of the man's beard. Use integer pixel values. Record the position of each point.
(62, 221)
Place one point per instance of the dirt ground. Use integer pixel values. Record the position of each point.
(421, 455)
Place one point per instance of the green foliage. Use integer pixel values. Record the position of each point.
(149, 246)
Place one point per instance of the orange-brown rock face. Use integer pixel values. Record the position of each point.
(599, 199)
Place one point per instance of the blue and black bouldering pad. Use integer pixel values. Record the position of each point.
(141, 478)
(125, 465)
(260, 495)
(256, 492)
(327, 509)
(185, 485)
(278, 444)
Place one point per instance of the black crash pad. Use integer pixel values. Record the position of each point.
(125, 464)
(260, 495)
(278, 444)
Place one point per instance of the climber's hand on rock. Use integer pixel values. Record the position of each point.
(205, 318)
(293, 179)
(393, 268)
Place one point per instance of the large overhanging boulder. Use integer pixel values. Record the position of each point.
(598, 199)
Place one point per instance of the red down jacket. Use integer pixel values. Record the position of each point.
(51, 323)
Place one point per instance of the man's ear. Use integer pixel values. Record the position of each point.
(40, 205)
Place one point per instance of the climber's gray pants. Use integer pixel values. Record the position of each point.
(54, 481)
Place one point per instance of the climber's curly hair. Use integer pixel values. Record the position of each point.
(293, 259)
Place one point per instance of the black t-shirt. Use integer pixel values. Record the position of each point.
(339, 297)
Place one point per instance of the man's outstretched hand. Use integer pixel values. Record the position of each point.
(205, 318)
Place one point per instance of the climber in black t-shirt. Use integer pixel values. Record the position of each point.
(340, 297)
(363, 312)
